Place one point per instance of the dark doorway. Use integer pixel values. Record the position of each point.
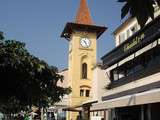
(155, 111)
(128, 113)
(141, 112)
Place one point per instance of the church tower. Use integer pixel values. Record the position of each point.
(82, 35)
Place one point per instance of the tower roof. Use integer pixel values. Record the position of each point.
(83, 15)
(83, 22)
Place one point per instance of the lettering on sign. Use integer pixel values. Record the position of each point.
(134, 42)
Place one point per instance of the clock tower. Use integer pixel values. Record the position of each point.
(82, 36)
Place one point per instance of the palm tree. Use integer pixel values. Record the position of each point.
(141, 9)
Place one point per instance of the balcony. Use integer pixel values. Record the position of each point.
(151, 69)
(137, 41)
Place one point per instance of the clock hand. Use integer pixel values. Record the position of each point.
(85, 43)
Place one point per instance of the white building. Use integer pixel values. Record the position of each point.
(133, 67)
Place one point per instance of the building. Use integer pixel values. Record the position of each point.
(82, 35)
(57, 109)
(133, 69)
(127, 85)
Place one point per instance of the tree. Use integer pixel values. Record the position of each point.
(1, 35)
(25, 79)
(141, 9)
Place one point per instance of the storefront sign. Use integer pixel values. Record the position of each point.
(134, 42)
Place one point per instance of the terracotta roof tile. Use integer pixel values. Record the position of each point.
(83, 14)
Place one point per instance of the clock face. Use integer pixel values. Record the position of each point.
(85, 42)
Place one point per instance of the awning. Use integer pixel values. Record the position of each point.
(78, 108)
(75, 108)
(72, 109)
(151, 96)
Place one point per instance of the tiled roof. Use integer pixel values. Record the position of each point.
(83, 14)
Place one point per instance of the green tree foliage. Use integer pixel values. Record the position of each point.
(25, 79)
(141, 9)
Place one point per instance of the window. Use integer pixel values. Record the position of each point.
(84, 93)
(138, 68)
(115, 75)
(87, 93)
(134, 29)
(84, 71)
(140, 64)
(130, 71)
(121, 37)
(121, 74)
(81, 93)
(128, 33)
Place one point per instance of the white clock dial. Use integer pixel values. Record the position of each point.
(85, 42)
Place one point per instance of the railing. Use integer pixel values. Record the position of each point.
(146, 71)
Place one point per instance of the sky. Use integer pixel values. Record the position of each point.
(39, 24)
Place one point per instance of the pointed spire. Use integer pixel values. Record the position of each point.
(83, 14)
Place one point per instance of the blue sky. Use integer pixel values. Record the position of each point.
(39, 24)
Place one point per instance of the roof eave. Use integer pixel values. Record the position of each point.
(72, 26)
